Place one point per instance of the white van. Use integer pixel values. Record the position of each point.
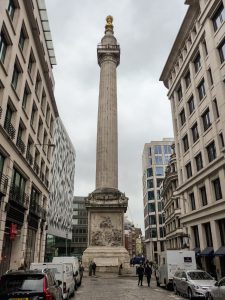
(72, 260)
(172, 261)
(63, 272)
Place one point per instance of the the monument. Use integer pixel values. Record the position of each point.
(106, 205)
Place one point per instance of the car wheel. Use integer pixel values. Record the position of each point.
(190, 295)
(209, 297)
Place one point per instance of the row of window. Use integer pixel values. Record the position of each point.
(152, 233)
(208, 233)
(158, 171)
(203, 195)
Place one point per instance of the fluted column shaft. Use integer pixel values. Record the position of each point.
(107, 137)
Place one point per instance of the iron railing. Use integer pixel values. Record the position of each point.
(20, 145)
(35, 208)
(3, 184)
(19, 196)
(29, 158)
(9, 128)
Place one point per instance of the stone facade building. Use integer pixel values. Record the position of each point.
(194, 75)
(60, 206)
(27, 113)
(155, 158)
(176, 236)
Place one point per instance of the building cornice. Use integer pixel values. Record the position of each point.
(182, 35)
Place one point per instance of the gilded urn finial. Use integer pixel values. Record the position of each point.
(109, 25)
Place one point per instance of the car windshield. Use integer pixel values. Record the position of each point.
(18, 283)
(199, 276)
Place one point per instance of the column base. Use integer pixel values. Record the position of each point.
(107, 259)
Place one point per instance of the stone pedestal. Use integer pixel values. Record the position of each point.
(106, 209)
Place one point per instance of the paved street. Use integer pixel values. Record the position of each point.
(107, 287)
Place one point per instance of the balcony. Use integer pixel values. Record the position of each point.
(20, 145)
(35, 209)
(9, 128)
(29, 158)
(36, 168)
(3, 184)
(18, 196)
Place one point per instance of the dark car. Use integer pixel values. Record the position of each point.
(30, 285)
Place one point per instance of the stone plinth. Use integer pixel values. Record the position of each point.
(106, 209)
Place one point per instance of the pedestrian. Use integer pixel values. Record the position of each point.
(81, 270)
(94, 268)
(120, 269)
(148, 273)
(140, 272)
(90, 269)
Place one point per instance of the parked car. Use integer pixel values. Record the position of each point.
(217, 292)
(63, 272)
(72, 260)
(194, 283)
(29, 285)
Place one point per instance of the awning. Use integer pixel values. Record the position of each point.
(220, 251)
(207, 251)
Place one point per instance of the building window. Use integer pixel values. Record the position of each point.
(206, 119)
(26, 94)
(197, 63)
(203, 196)
(3, 46)
(167, 149)
(15, 77)
(191, 105)
(18, 185)
(179, 93)
(221, 140)
(149, 172)
(185, 143)
(150, 184)
(211, 151)
(210, 76)
(196, 236)
(215, 109)
(182, 117)
(8, 122)
(31, 62)
(159, 171)
(218, 17)
(217, 189)
(199, 162)
(151, 207)
(195, 134)
(153, 233)
(159, 181)
(23, 37)
(188, 170)
(208, 235)
(221, 49)
(201, 90)
(187, 79)
(151, 195)
(221, 224)
(192, 201)
(47, 114)
(2, 159)
(152, 220)
(158, 149)
(11, 9)
(158, 160)
(205, 47)
(38, 84)
(33, 115)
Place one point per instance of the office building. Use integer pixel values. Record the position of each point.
(27, 113)
(194, 76)
(155, 157)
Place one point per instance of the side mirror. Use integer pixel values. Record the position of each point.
(183, 279)
(59, 282)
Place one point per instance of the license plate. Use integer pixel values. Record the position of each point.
(18, 298)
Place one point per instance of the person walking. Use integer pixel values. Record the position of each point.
(94, 268)
(140, 272)
(90, 269)
(148, 273)
(81, 270)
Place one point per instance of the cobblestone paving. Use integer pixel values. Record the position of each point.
(107, 287)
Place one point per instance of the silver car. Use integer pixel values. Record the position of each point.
(194, 283)
(217, 292)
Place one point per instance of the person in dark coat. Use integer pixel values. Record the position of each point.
(148, 273)
(94, 268)
(140, 272)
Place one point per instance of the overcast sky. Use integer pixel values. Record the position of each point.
(145, 30)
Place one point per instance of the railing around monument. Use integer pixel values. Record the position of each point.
(100, 46)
